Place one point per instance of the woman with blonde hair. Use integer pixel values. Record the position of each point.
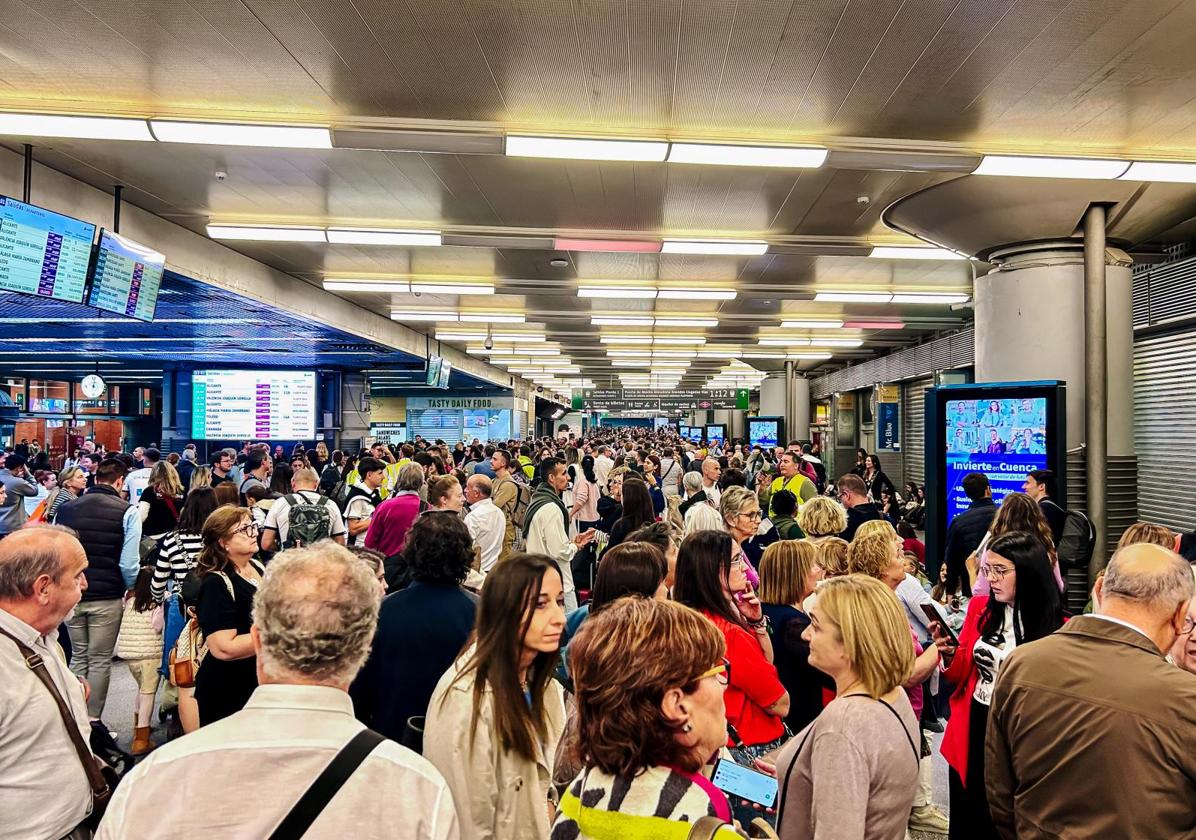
(200, 477)
(853, 771)
(740, 510)
(161, 501)
(789, 573)
(822, 517)
(1147, 532)
(832, 556)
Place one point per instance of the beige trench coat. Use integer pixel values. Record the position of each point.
(498, 794)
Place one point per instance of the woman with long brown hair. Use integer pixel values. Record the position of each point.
(497, 715)
(229, 580)
(1017, 513)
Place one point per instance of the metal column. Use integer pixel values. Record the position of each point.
(1095, 381)
(790, 398)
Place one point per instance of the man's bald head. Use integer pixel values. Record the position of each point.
(478, 485)
(1150, 576)
(711, 469)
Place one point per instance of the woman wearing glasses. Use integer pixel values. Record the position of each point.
(740, 510)
(229, 580)
(645, 733)
(712, 579)
(1023, 606)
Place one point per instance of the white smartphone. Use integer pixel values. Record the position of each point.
(745, 782)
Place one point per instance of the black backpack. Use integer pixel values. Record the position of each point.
(1076, 540)
(308, 521)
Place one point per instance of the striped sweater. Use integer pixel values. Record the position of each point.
(658, 804)
(177, 557)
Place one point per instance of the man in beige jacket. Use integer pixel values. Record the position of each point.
(1090, 734)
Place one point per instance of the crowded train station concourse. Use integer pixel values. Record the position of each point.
(592, 420)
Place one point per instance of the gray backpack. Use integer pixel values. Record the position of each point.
(308, 521)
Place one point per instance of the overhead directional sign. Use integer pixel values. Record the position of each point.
(645, 399)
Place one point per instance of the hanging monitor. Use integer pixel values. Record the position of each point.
(765, 432)
(716, 433)
(446, 368)
(433, 374)
(253, 405)
(125, 277)
(43, 253)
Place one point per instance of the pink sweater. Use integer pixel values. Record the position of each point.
(391, 522)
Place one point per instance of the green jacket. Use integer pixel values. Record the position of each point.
(787, 528)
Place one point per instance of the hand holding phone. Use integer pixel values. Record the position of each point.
(745, 782)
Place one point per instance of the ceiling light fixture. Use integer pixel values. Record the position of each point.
(232, 134)
(853, 297)
(627, 292)
(1163, 171)
(697, 294)
(1051, 167)
(577, 148)
(414, 315)
(453, 288)
(675, 340)
(930, 297)
(874, 325)
(620, 321)
(265, 233)
(809, 356)
(82, 128)
(364, 285)
(754, 355)
(625, 339)
(493, 317)
(632, 246)
(730, 247)
(687, 322)
(836, 342)
(811, 325)
(784, 341)
(381, 236)
(791, 157)
(895, 253)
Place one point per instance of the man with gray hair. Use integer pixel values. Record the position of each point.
(314, 618)
(45, 791)
(1090, 732)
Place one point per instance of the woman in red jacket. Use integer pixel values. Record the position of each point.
(1024, 606)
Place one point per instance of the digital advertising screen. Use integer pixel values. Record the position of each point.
(253, 405)
(683, 431)
(695, 434)
(764, 432)
(716, 433)
(43, 253)
(433, 377)
(125, 277)
(446, 368)
(660, 423)
(1003, 438)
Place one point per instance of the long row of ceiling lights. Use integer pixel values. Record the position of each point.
(572, 148)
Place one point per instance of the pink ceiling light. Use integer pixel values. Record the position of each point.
(619, 245)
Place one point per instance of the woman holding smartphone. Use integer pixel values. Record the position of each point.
(711, 579)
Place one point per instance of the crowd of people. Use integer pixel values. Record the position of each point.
(621, 635)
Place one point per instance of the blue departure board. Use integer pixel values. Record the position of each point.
(43, 253)
(126, 277)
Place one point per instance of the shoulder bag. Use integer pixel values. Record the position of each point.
(101, 791)
(190, 648)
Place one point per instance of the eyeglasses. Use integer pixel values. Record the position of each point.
(995, 572)
(752, 514)
(721, 672)
(249, 529)
(1189, 626)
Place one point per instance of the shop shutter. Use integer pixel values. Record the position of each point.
(1165, 428)
(434, 423)
(913, 428)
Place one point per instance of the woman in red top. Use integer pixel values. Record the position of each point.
(713, 582)
(1024, 606)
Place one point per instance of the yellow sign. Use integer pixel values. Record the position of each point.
(847, 402)
(888, 394)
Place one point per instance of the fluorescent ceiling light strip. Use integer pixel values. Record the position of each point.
(811, 325)
(413, 315)
(790, 157)
(853, 297)
(930, 297)
(609, 245)
(577, 148)
(233, 134)
(1051, 167)
(627, 292)
(898, 253)
(836, 342)
(82, 128)
(265, 233)
(675, 340)
(625, 339)
(727, 247)
(631, 362)
(809, 356)
(623, 321)
(386, 286)
(379, 236)
(784, 341)
(697, 294)
(747, 354)
(674, 354)
(875, 325)
(687, 322)
(501, 338)
(494, 318)
(453, 288)
(1173, 172)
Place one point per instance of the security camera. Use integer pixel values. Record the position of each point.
(221, 175)
(488, 343)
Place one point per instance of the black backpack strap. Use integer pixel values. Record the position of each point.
(316, 798)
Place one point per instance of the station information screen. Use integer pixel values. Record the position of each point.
(126, 277)
(1003, 438)
(253, 404)
(43, 253)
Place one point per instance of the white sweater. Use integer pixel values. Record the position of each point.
(137, 638)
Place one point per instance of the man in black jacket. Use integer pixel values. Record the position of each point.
(967, 532)
(853, 493)
(110, 530)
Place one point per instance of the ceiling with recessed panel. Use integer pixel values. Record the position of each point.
(422, 98)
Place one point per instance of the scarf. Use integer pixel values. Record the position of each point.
(543, 495)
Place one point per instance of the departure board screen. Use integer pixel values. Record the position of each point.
(253, 405)
(126, 277)
(43, 253)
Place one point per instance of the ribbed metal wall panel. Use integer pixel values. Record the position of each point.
(913, 427)
(1165, 291)
(952, 351)
(1165, 424)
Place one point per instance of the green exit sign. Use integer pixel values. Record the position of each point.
(742, 399)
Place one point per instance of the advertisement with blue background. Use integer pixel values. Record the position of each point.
(763, 431)
(1003, 438)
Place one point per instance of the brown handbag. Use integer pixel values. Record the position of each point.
(186, 656)
(101, 792)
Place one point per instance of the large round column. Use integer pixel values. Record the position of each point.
(798, 425)
(772, 395)
(1030, 325)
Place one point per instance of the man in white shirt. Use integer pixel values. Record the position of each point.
(309, 649)
(278, 520)
(44, 792)
(138, 480)
(545, 526)
(485, 521)
(602, 466)
(711, 471)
